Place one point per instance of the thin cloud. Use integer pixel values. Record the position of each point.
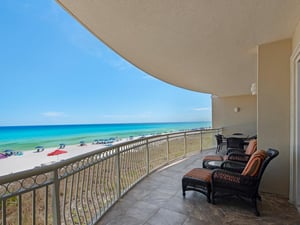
(120, 64)
(129, 116)
(53, 114)
(202, 109)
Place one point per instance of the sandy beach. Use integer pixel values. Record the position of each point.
(32, 159)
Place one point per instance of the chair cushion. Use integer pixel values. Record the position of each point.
(251, 148)
(213, 158)
(254, 163)
(200, 174)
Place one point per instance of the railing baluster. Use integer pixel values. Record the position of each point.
(92, 193)
(70, 198)
(201, 140)
(118, 177)
(3, 202)
(19, 209)
(97, 189)
(64, 201)
(101, 187)
(76, 197)
(33, 207)
(105, 188)
(147, 156)
(55, 199)
(87, 190)
(81, 196)
(168, 148)
(185, 145)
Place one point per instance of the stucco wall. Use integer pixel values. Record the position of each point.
(296, 37)
(243, 121)
(273, 99)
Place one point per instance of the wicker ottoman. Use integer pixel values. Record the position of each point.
(197, 179)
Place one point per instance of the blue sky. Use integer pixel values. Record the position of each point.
(53, 71)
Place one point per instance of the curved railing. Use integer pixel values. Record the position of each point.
(81, 189)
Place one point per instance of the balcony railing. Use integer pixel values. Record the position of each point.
(81, 189)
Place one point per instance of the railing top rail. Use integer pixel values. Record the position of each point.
(48, 168)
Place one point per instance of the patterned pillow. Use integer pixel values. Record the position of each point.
(254, 163)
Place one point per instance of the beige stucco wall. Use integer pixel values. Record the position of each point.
(224, 116)
(296, 36)
(273, 103)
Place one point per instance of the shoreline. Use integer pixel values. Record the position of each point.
(32, 159)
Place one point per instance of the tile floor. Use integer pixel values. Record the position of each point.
(157, 200)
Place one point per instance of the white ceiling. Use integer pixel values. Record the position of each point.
(202, 45)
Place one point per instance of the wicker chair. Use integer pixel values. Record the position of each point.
(245, 184)
(220, 142)
(235, 143)
(240, 156)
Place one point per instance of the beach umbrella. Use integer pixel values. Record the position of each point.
(61, 146)
(56, 152)
(2, 156)
(39, 148)
(8, 152)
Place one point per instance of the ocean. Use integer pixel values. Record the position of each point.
(28, 137)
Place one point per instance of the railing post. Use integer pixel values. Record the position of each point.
(167, 148)
(55, 199)
(201, 141)
(118, 169)
(185, 146)
(148, 157)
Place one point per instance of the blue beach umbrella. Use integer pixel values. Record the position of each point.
(8, 152)
(39, 148)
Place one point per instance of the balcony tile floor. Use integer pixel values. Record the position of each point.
(157, 200)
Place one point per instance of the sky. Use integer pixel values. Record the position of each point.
(54, 71)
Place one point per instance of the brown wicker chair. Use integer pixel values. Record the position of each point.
(234, 155)
(220, 142)
(245, 184)
(221, 182)
(235, 143)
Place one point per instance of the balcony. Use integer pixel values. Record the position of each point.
(138, 182)
(81, 189)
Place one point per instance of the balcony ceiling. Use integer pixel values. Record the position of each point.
(203, 45)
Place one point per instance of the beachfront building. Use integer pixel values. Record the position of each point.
(245, 53)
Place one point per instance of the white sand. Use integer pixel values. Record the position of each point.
(32, 159)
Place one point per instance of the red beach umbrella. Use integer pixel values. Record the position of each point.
(56, 152)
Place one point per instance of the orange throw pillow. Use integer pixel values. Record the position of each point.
(251, 147)
(254, 163)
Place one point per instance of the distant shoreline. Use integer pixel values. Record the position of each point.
(26, 138)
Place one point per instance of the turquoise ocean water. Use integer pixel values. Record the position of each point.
(27, 137)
